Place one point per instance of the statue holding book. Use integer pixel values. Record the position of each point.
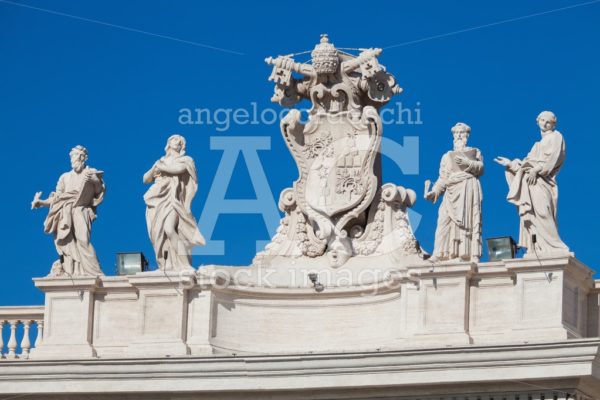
(458, 233)
(72, 209)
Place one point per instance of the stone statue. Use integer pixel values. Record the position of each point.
(171, 225)
(337, 207)
(72, 209)
(533, 189)
(458, 232)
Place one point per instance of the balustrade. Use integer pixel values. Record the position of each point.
(21, 323)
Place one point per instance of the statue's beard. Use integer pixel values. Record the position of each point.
(78, 166)
(460, 144)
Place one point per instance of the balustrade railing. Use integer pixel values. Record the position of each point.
(18, 328)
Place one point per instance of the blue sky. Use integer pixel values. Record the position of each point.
(67, 80)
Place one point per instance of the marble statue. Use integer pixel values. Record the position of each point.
(72, 209)
(533, 189)
(337, 207)
(171, 225)
(458, 232)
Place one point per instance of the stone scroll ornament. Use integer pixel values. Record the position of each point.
(338, 208)
(72, 209)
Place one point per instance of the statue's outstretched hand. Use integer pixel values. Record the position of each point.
(433, 196)
(429, 196)
(502, 161)
(36, 200)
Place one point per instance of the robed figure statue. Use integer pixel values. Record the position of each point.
(171, 225)
(533, 189)
(72, 209)
(458, 233)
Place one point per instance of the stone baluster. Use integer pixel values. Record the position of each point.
(1, 340)
(40, 332)
(26, 342)
(12, 342)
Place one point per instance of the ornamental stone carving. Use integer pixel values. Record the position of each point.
(338, 208)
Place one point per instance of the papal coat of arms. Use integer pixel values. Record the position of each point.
(338, 207)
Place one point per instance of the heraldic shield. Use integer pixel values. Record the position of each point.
(335, 155)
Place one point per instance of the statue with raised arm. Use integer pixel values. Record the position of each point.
(533, 189)
(171, 225)
(72, 209)
(458, 232)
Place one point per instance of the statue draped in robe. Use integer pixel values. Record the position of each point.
(72, 209)
(533, 189)
(458, 232)
(171, 225)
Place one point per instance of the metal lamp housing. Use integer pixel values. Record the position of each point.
(501, 248)
(131, 263)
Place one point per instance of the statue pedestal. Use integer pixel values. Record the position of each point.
(440, 306)
(551, 298)
(68, 317)
(229, 310)
(162, 310)
(200, 312)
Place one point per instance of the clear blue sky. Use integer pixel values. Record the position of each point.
(67, 81)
